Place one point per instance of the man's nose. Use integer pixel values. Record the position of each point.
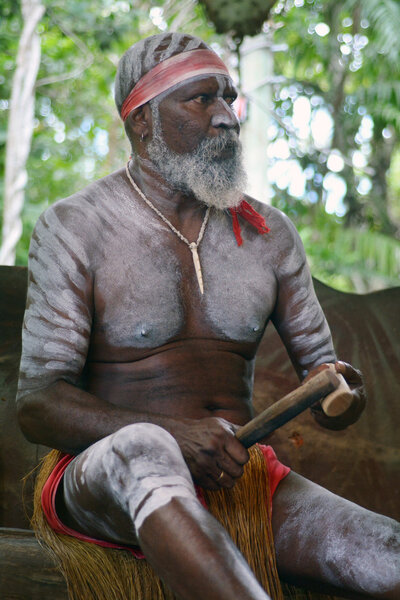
(224, 116)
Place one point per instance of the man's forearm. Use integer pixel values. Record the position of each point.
(65, 417)
(69, 419)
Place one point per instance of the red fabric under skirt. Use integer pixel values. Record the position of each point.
(276, 472)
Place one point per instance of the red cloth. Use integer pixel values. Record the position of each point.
(169, 72)
(49, 493)
(276, 472)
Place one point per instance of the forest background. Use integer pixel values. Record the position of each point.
(337, 60)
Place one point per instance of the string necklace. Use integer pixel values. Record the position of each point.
(193, 246)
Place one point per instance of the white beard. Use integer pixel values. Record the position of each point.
(213, 180)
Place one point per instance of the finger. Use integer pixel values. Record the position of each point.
(229, 466)
(232, 446)
(229, 427)
(224, 480)
(351, 375)
(209, 471)
(315, 371)
(211, 482)
(206, 481)
(236, 451)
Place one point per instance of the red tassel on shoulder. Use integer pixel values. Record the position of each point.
(236, 226)
(248, 213)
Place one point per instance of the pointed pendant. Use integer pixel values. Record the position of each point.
(197, 266)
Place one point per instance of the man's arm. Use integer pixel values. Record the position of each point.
(302, 326)
(65, 417)
(52, 408)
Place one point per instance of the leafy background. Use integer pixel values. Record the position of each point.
(352, 72)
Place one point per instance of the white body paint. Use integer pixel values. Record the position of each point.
(105, 280)
(332, 539)
(135, 471)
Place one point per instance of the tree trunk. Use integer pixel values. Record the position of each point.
(256, 67)
(20, 128)
(379, 196)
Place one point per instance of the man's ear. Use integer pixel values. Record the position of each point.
(139, 121)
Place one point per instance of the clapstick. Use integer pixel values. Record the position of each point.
(320, 386)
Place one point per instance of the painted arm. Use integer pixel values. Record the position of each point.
(53, 408)
(302, 326)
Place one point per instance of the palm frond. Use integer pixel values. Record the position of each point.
(384, 19)
(357, 260)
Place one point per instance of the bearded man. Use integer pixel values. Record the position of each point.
(149, 293)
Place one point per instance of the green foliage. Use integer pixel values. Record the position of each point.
(343, 58)
(352, 71)
(350, 259)
(10, 23)
(78, 135)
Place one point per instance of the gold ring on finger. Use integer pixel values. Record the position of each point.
(220, 476)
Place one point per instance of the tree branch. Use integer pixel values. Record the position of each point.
(86, 62)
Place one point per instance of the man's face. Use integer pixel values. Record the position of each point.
(195, 144)
(198, 109)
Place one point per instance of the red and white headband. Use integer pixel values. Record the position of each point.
(168, 73)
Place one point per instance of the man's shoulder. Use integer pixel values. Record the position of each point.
(85, 212)
(280, 225)
(79, 220)
(91, 198)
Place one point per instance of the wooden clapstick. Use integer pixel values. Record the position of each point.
(340, 399)
(288, 407)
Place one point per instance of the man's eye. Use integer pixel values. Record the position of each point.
(202, 98)
(230, 99)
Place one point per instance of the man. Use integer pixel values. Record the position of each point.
(149, 293)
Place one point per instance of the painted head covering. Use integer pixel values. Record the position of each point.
(159, 62)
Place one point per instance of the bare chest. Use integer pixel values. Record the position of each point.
(146, 292)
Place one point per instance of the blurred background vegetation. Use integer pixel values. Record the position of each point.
(334, 117)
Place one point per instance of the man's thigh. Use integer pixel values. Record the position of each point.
(327, 538)
(110, 488)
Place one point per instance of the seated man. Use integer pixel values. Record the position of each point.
(149, 293)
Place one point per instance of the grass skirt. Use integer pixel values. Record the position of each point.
(96, 573)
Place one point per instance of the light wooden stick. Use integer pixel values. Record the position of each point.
(288, 407)
(340, 399)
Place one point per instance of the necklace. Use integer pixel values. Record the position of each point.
(192, 245)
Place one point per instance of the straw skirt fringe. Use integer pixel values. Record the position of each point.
(96, 573)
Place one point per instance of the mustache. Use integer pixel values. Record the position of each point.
(211, 148)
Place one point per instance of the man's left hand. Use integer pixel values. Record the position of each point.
(354, 380)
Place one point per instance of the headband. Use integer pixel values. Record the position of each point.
(170, 72)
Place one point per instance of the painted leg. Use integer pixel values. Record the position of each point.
(195, 555)
(135, 486)
(323, 537)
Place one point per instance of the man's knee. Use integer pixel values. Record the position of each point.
(372, 543)
(387, 553)
(155, 470)
(135, 470)
(144, 440)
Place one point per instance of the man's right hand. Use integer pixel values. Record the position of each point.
(213, 454)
